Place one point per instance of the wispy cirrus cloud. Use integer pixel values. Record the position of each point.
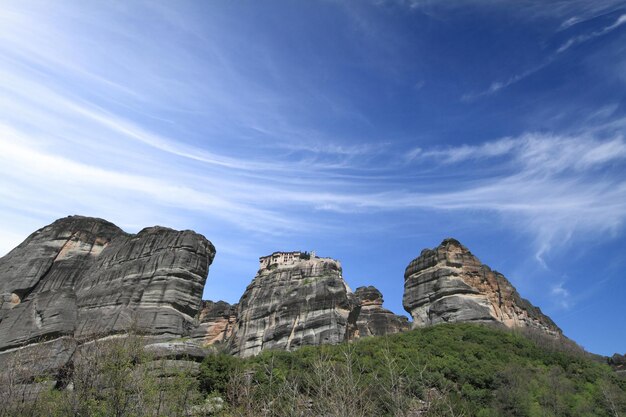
(464, 152)
(52, 175)
(203, 80)
(537, 152)
(545, 181)
(497, 86)
(556, 187)
(589, 36)
(561, 295)
(572, 11)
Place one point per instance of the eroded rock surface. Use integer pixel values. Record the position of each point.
(38, 279)
(292, 303)
(373, 319)
(83, 278)
(151, 282)
(216, 322)
(299, 299)
(449, 284)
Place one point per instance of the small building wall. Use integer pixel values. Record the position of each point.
(279, 258)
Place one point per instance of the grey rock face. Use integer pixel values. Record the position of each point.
(83, 278)
(152, 282)
(297, 299)
(177, 350)
(373, 319)
(37, 279)
(292, 304)
(449, 284)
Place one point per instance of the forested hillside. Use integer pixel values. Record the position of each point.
(444, 370)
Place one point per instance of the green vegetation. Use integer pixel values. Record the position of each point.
(113, 377)
(446, 370)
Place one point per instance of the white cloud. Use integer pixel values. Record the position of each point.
(586, 37)
(544, 185)
(561, 296)
(570, 10)
(496, 86)
(570, 22)
(499, 85)
(413, 154)
(536, 152)
(461, 153)
(92, 184)
(551, 187)
(66, 149)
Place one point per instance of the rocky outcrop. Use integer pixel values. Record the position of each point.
(216, 322)
(373, 319)
(449, 284)
(291, 304)
(81, 279)
(618, 363)
(84, 278)
(299, 299)
(38, 279)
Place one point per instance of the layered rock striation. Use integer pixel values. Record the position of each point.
(372, 318)
(83, 278)
(299, 299)
(449, 284)
(292, 303)
(216, 322)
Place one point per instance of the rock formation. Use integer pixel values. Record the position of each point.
(216, 322)
(299, 299)
(618, 363)
(449, 284)
(293, 303)
(83, 278)
(373, 319)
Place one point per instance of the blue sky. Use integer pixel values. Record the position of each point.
(364, 130)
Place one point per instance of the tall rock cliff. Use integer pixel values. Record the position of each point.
(291, 302)
(299, 299)
(82, 278)
(449, 284)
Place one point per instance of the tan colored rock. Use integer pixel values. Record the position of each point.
(216, 322)
(449, 284)
(373, 319)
